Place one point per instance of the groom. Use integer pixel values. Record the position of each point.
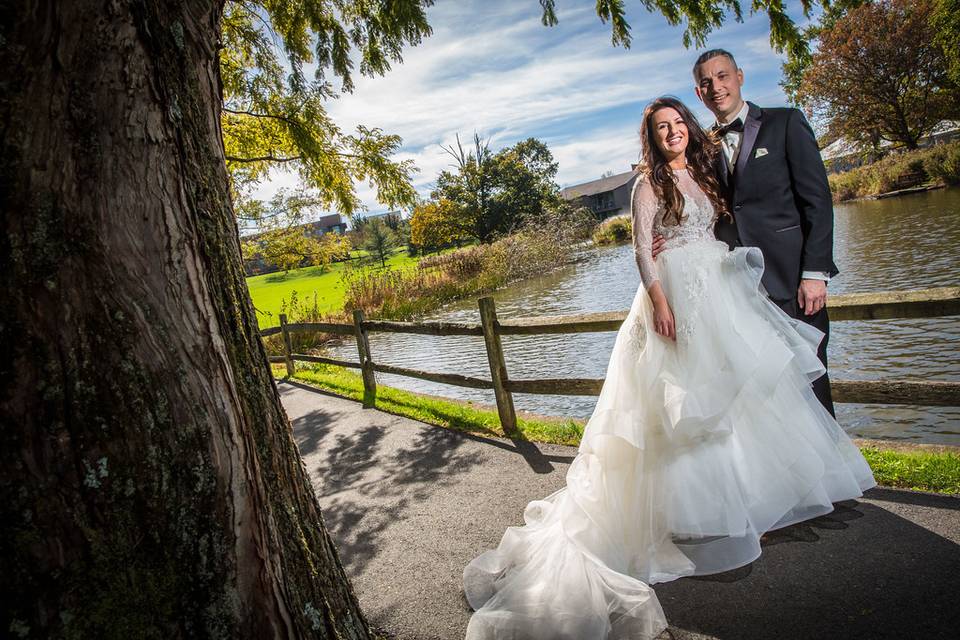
(777, 191)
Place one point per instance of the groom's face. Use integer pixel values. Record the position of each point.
(718, 86)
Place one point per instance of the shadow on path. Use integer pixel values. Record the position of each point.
(859, 572)
(409, 505)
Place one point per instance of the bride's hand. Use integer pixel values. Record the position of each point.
(663, 320)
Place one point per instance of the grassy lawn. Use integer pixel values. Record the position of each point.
(444, 412)
(921, 470)
(937, 471)
(268, 291)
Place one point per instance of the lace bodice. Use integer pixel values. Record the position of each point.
(647, 218)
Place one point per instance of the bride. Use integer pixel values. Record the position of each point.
(706, 433)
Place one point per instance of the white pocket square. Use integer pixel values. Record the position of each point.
(762, 151)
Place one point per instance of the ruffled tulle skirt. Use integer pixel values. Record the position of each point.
(694, 449)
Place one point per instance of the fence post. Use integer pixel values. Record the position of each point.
(287, 349)
(366, 360)
(498, 366)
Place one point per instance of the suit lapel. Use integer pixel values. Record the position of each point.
(722, 169)
(750, 129)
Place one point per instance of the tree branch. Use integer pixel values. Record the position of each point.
(267, 158)
(254, 114)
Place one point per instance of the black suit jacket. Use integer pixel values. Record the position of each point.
(780, 199)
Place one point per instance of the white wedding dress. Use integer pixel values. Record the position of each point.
(694, 450)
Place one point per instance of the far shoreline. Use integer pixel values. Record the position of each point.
(899, 193)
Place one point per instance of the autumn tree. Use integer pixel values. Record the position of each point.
(798, 59)
(878, 74)
(436, 223)
(284, 244)
(292, 248)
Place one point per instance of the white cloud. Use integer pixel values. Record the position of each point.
(493, 68)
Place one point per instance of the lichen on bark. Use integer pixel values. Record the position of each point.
(149, 482)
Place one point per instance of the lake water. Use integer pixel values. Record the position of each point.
(900, 243)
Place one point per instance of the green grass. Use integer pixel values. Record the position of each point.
(452, 414)
(936, 472)
(268, 291)
(923, 471)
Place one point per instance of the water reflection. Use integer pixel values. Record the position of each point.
(899, 243)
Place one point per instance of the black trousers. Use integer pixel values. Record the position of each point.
(820, 320)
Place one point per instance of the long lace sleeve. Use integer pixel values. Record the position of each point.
(643, 211)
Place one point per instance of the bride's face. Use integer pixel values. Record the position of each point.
(669, 132)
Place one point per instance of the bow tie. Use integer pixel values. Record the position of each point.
(736, 125)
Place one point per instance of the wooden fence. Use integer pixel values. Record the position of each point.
(926, 303)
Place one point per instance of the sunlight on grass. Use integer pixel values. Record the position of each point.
(268, 291)
(457, 415)
(939, 472)
(936, 472)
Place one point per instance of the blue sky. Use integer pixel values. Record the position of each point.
(492, 67)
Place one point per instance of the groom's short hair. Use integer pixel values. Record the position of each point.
(713, 53)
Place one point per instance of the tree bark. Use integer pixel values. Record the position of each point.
(150, 486)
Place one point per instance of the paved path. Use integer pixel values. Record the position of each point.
(410, 504)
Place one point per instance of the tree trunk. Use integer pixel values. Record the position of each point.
(150, 486)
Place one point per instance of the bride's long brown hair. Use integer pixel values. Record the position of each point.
(701, 152)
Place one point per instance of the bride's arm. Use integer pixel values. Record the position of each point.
(643, 211)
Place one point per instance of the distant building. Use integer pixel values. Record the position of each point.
(332, 223)
(843, 154)
(606, 197)
(380, 214)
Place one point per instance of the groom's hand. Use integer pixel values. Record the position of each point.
(657, 245)
(812, 296)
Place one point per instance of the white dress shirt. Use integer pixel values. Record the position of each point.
(730, 144)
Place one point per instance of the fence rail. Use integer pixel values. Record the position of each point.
(923, 303)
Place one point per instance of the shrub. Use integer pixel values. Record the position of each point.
(404, 294)
(943, 163)
(615, 230)
(940, 163)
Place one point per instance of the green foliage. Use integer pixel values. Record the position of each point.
(940, 163)
(497, 193)
(290, 248)
(615, 230)
(274, 116)
(282, 243)
(379, 240)
(946, 26)
(701, 18)
(304, 309)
